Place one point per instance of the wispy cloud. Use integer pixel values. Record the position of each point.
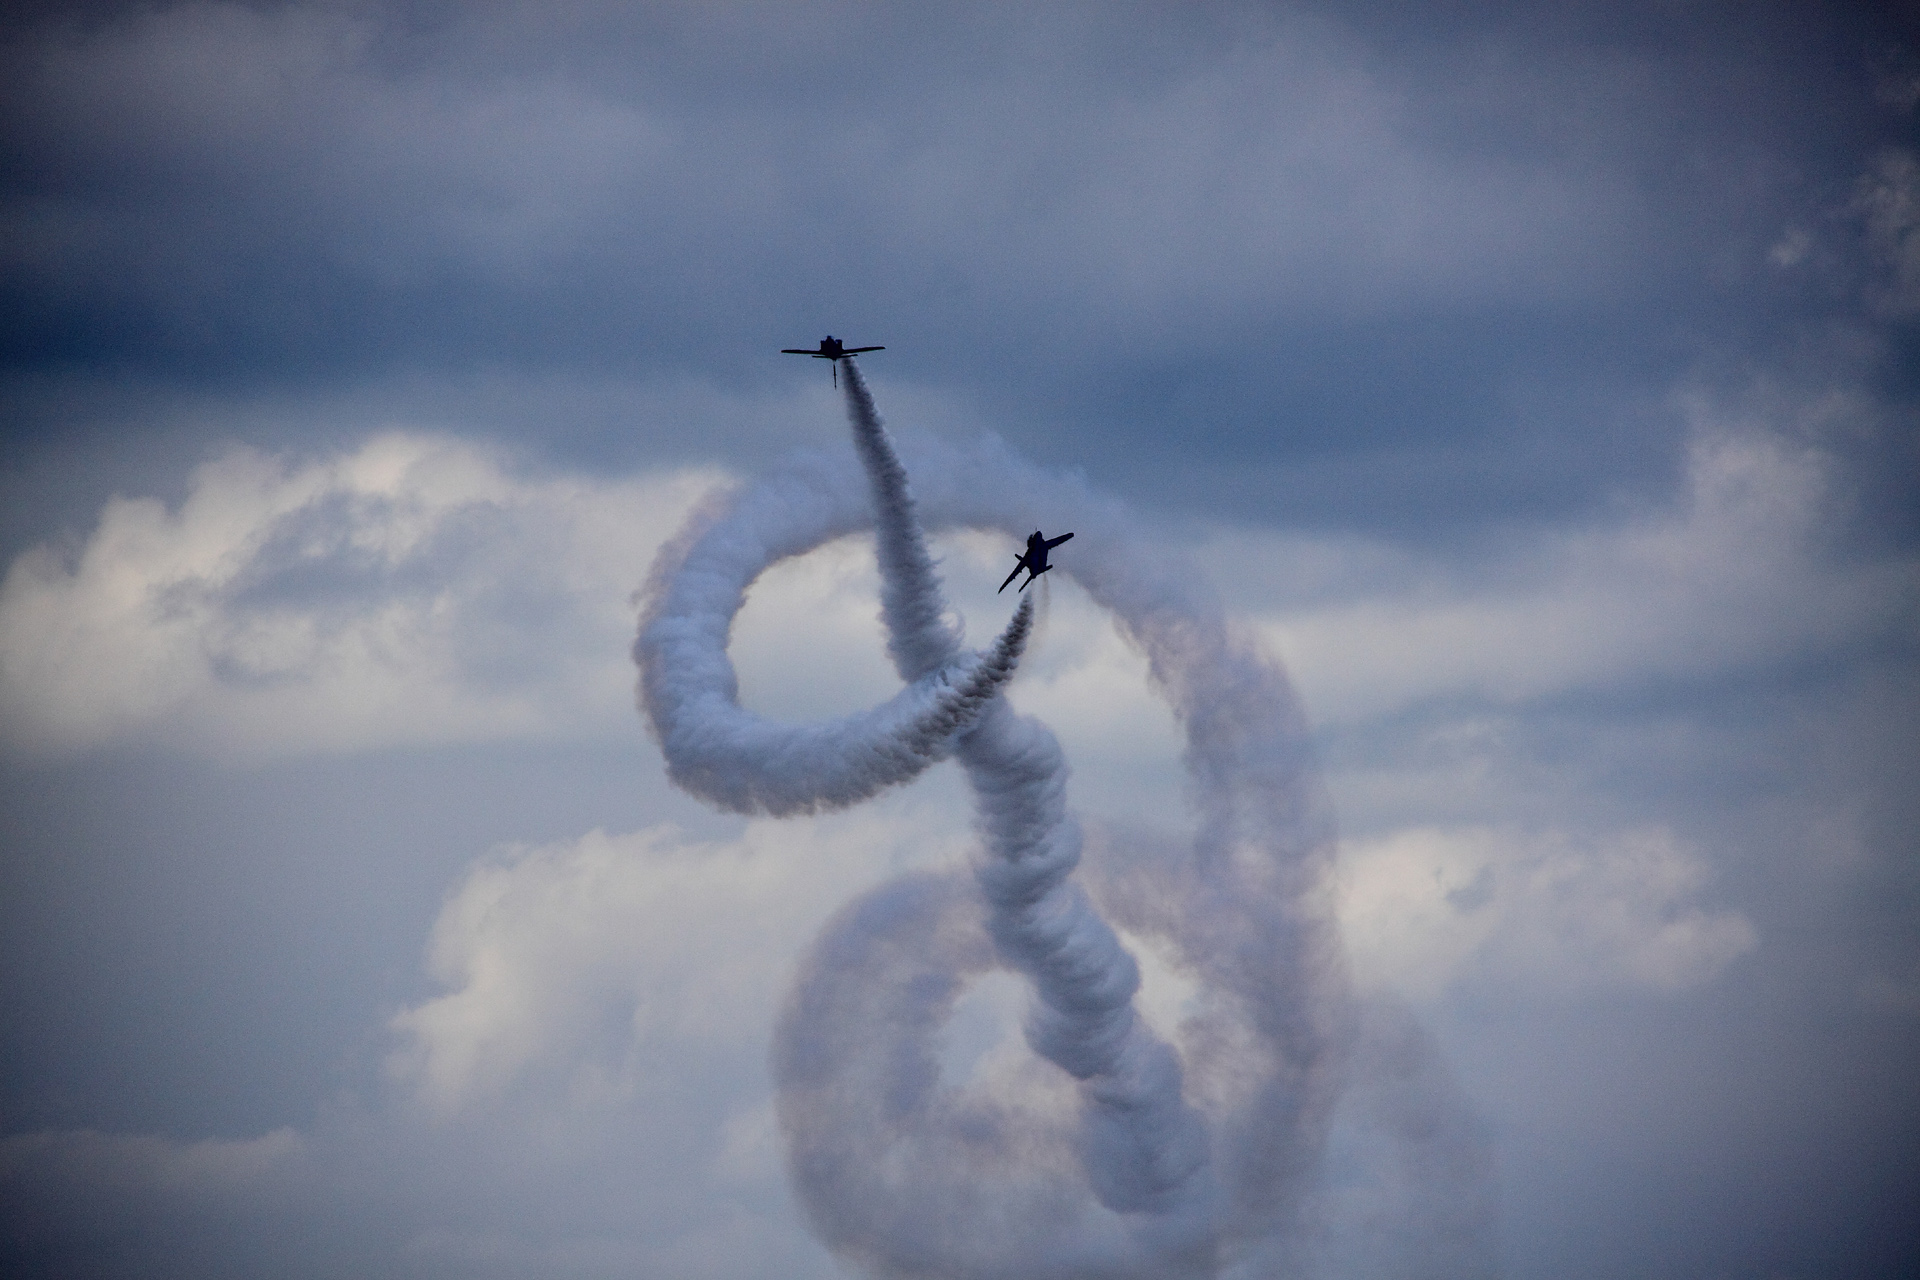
(1427, 910)
(1745, 569)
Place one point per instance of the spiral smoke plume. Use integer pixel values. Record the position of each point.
(1112, 1152)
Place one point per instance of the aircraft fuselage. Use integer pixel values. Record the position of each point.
(1034, 558)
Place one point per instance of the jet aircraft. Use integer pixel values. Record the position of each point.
(830, 349)
(1034, 559)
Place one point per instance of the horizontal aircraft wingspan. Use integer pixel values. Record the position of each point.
(831, 350)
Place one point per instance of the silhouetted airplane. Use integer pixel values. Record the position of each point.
(830, 349)
(1034, 559)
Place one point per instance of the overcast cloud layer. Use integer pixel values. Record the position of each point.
(1536, 382)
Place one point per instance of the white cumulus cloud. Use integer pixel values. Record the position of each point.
(410, 591)
(595, 966)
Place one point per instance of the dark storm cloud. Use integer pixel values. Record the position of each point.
(1331, 236)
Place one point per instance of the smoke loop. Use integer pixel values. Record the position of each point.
(1131, 1158)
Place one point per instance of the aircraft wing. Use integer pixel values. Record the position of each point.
(1054, 542)
(1010, 577)
(797, 351)
(854, 351)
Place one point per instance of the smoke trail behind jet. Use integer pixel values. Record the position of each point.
(739, 761)
(1133, 1157)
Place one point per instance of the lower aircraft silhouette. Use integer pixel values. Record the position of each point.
(830, 349)
(1034, 559)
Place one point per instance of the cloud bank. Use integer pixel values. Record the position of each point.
(589, 983)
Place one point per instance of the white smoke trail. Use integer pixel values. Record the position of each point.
(739, 761)
(1133, 1159)
(1144, 1149)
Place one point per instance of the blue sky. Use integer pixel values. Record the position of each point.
(1537, 382)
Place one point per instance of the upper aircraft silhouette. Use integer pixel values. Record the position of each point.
(830, 349)
(1034, 559)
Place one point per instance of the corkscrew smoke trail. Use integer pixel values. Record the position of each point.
(1132, 1158)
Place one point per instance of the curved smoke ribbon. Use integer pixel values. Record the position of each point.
(1132, 1159)
(745, 763)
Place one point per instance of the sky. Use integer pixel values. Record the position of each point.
(1540, 384)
